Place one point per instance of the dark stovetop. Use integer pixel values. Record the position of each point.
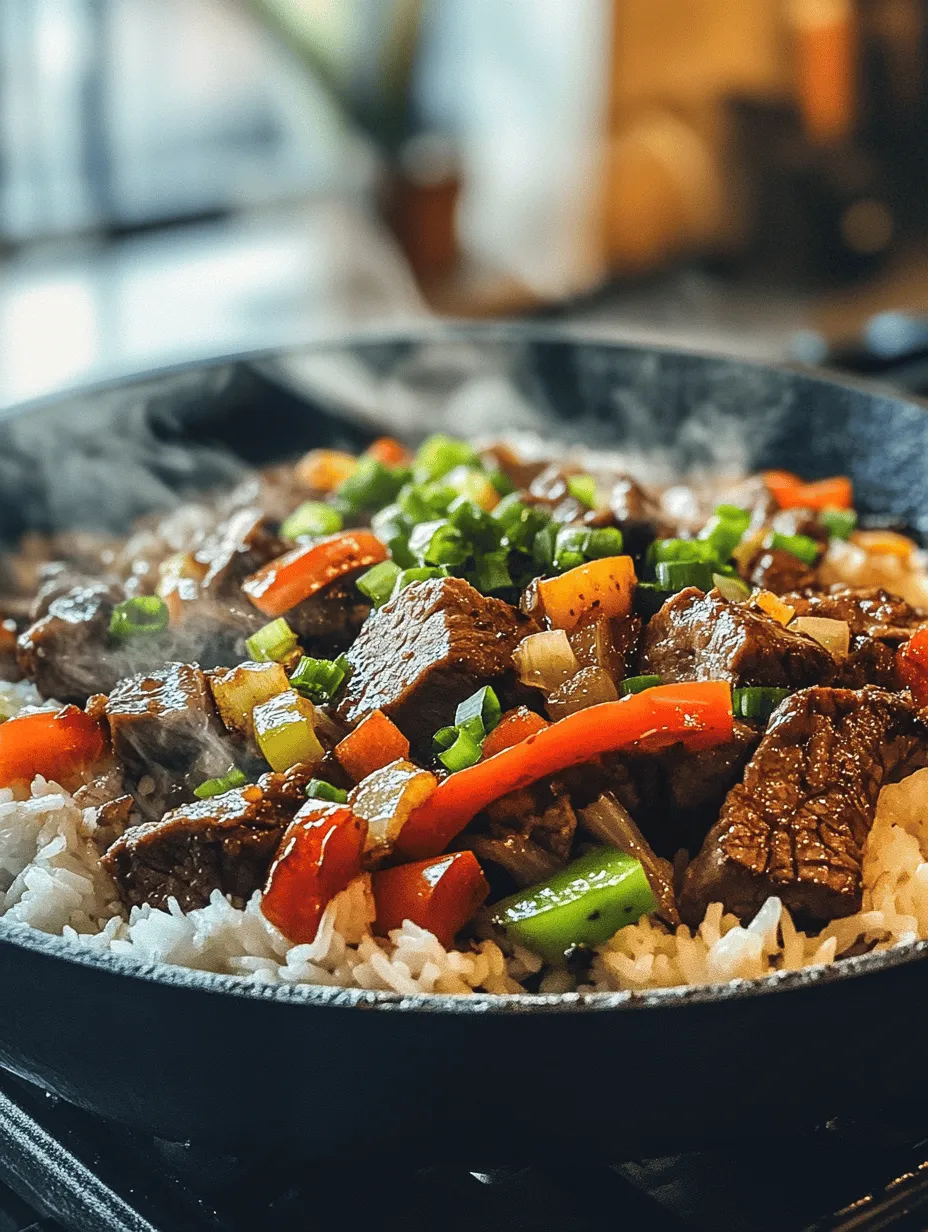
(62, 1168)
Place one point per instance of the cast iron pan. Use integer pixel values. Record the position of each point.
(329, 1072)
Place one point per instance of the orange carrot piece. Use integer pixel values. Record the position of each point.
(514, 727)
(373, 744)
(324, 469)
(283, 583)
(790, 492)
(439, 895)
(389, 452)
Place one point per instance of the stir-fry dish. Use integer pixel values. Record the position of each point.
(461, 719)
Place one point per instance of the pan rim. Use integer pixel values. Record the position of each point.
(25, 937)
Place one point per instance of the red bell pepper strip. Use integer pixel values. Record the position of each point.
(54, 744)
(283, 583)
(319, 854)
(439, 895)
(374, 743)
(514, 727)
(911, 665)
(696, 715)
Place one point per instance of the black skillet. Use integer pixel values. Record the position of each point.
(330, 1072)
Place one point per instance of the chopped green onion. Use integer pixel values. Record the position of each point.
(320, 679)
(544, 545)
(492, 572)
(444, 738)
(423, 501)
(424, 574)
(731, 588)
(672, 550)
(583, 489)
(272, 643)
(678, 574)
(378, 582)
(570, 547)
(319, 789)
(438, 543)
(312, 518)
(756, 703)
(464, 752)
(839, 523)
(475, 524)
(638, 684)
(440, 454)
(285, 733)
(479, 714)
(140, 616)
(501, 482)
(390, 527)
(371, 485)
(521, 533)
(606, 541)
(797, 545)
(216, 787)
(584, 904)
(725, 529)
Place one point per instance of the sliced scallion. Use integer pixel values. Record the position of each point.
(583, 489)
(439, 543)
(638, 684)
(371, 486)
(840, 523)
(479, 713)
(756, 703)
(802, 546)
(440, 454)
(216, 787)
(319, 789)
(606, 541)
(140, 616)
(465, 751)
(444, 738)
(501, 482)
(312, 518)
(492, 572)
(570, 547)
(320, 679)
(272, 643)
(679, 574)
(377, 584)
(725, 529)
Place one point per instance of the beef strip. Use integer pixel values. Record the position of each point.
(797, 824)
(240, 545)
(704, 637)
(775, 570)
(225, 843)
(67, 653)
(163, 725)
(427, 650)
(878, 621)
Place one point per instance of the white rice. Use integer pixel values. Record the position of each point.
(51, 879)
(22, 697)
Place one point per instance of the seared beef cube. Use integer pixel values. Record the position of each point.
(797, 824)
(878, 622)
(704, 637)
(778, 571)
(55, 580)
(240, 546)
(225, 843)
(329, 621)
(427, 650)
(638, 516)
(66, 653)
(163, 724)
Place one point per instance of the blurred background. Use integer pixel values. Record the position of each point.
(184, 178)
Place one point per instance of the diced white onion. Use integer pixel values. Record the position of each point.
(386, 798)
(834, 635)
(545, 660)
